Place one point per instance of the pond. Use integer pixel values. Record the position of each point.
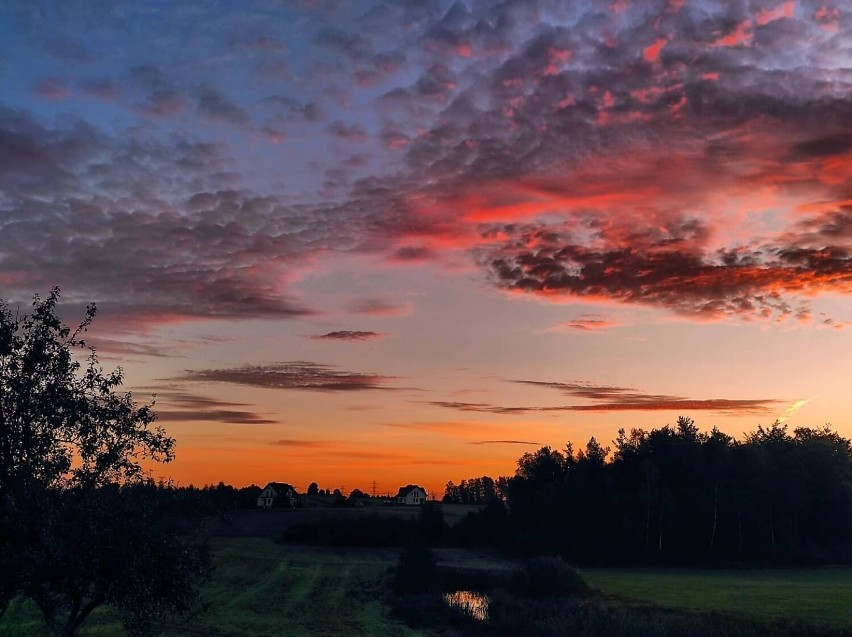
(473, 603)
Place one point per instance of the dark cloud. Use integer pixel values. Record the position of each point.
(614, 398)
(584, 389)
(181, 399)
(182, 406)
(662, 403)
(825, 146)
(229, 417)
(216, 105)
(673, 272)
(611, 398)
(347, 335)
(295, 375)
(307, 444)
(284, 108)
(349, 132)
(588, 323)
(414, 253)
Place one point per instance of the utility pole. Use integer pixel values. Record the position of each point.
(374, 488)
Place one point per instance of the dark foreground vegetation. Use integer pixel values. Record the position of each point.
(545, 596)
(80, 527)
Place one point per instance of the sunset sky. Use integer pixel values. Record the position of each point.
(410, 241)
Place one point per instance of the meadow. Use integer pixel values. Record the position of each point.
(819, 597)
(261, 588)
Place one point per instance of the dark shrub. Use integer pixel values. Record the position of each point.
(548, 576)
(416, 571)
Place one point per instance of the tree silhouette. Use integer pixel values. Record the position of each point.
(73, 533)
(679, 495)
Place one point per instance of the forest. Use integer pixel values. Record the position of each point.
(674, 494)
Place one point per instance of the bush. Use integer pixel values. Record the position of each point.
(417, 570)
(548, 576)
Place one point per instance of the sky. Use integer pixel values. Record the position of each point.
(407, 242)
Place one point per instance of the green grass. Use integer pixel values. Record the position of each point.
(821, 597)
(263, 589)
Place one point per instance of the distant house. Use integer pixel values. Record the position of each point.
(411, 494)
(277, 494)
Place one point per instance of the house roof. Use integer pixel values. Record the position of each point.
(280, 487)
(404, 491)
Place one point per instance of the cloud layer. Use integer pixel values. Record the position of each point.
(688, 157)
(608, 398)
(293, 375)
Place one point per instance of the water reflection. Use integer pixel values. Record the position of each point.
(471, 602)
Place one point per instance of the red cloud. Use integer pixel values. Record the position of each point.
(740, 36)
(652, 52)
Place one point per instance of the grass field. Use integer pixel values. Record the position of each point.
(263, 589)
(822, 597)
(259, 588)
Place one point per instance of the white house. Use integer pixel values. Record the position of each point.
(411, 494)
(277, 494)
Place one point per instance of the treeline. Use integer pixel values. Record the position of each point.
(476, 490)
(675, 494)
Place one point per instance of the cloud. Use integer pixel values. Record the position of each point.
(379, 307)
(124, 348)
(611, 398)
(503, 442)
(662, 403)
(347, 335)
(792, 409)
(672, 271)
(614, 398)
(226, 416)
(305, 444)
(583, 389)
(188, 407)
(348, 132)
(292, 375)
(692, 159)
(588, 323)
(414, 254)
(216, 105)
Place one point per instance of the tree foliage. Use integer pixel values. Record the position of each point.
(75, 532)
(677, 494)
